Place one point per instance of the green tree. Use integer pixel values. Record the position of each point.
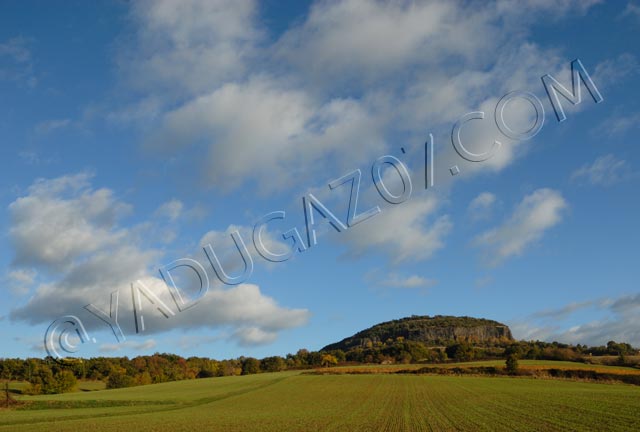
(42, 381)
(250, 366)
(273, 364)
(119, 379)
(65, 381)
(512, 364)
(461, 352)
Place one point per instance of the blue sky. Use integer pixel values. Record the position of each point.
(133, 135)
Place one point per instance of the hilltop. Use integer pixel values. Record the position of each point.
(431, 331)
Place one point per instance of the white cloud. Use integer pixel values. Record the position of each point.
(482, 201)
(395, 280)
(334, 90)
(16, 48)
(87, 255)
(143, 346)
(614, 70)
(52, 125)
(171, 210)
(632, 10)
(367, 40)
(16, 63)
(363, 41)
(413, 281)
(604, 171)
(265, 130)
(60, 220)
(189, 46)
(21, 280)
(619, 124)
(535, 214)
(480, 207)
(411, 231)
(229, 255)
(248, 336)
(618, 319)
(241, 306)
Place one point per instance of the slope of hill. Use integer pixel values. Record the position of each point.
(291, 401)
(437, 330)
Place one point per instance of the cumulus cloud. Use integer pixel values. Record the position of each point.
(334, 89)
(370, 39)
(60, 220)
(240, 307)
(268, 131)
(87, 255)
(228, 253)
(532, 217)
(411, 231)
(604, 171)
(190, 46)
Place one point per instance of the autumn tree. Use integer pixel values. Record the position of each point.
(329, 360)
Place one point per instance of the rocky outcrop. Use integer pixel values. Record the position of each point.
(434, 331)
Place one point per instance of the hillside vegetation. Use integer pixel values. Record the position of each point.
(431, 331)
(417, 339)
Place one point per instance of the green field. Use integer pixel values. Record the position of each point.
(290, 401)
(523, 364)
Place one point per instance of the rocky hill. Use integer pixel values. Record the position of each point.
(434, 331)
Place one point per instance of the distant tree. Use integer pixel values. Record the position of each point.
(119, 379)
(250, 366)
(461, 352)
(272, 364)
(339, 355)
(329, 360)
(42, 381)
(143, 379)
(622, 360)
(65, 381)
(314, 358)
(512, 364)
(614, 348)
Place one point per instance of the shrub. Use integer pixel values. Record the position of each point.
(512, 364)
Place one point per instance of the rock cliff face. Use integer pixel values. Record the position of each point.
(434, 331)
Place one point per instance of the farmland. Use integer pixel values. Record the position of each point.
(295, 401)
(525, 365)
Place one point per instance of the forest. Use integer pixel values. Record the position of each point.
(48, 376)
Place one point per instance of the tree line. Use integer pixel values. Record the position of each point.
(46, 376)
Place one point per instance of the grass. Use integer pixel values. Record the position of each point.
(290, 401)
(21, 387)
(523, 364)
